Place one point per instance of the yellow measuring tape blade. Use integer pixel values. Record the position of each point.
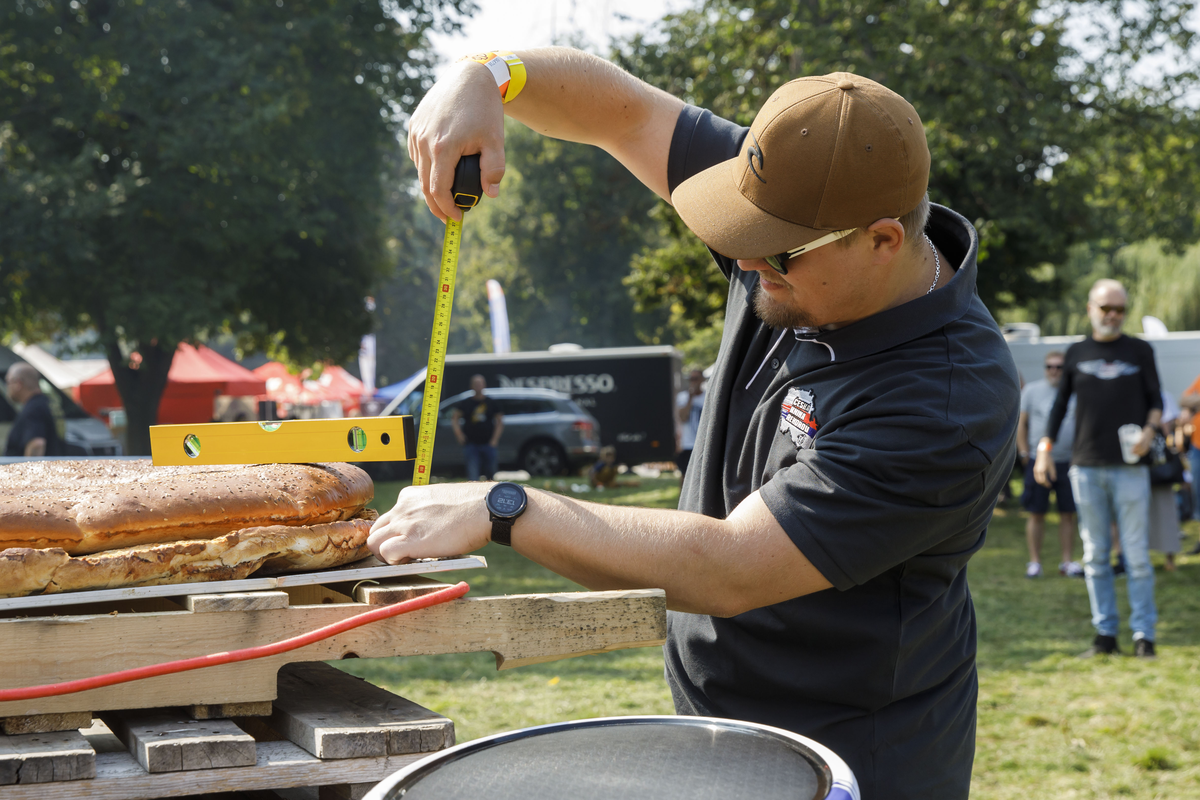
(437, 353)
(293, 441)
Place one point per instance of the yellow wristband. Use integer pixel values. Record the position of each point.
(506, 67)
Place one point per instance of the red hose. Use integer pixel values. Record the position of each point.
(247, 654)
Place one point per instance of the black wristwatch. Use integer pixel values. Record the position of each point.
(505, 502)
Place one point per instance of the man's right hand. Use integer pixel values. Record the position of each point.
(1043, 469)
(460, 116)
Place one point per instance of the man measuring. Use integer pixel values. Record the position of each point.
(858, 425)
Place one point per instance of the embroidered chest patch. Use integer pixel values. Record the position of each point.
(798, 418)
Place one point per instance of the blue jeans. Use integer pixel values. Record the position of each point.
(1103, 494)
(481, 460)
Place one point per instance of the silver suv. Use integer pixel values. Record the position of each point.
(545, 433)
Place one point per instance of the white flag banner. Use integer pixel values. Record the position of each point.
(499, 311)
(366, 364)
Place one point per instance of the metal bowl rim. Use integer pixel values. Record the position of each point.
(834, 776)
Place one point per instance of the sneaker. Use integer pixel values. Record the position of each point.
(1105, 646)
(1119, 566)
(1144, 648)
(1071, 569)
(1033, 570)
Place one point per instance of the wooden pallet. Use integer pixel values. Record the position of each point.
(43, 647)
(328, 730)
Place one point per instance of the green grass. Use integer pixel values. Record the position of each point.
(1049, 723)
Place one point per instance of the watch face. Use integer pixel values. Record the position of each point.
(506, 500)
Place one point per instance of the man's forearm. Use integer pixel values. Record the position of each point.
(580, 97)
(35, 448)
(1154, 418)
(706, 565)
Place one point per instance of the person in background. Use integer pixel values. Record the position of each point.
(478, 423)
(1115, 382)
(34, 432)
(689, 403)
(1037, 398)
(1190, 408)
(1164, 513)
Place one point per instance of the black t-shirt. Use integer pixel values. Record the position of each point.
(1115, 383)
(34, 422)
(478, 418)
(880, 448)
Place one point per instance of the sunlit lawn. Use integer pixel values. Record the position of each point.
(1050, 724)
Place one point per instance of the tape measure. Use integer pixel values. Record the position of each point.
(467, 189)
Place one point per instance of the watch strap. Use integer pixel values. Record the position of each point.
(502, 531)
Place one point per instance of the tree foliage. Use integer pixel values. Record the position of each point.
(1161, 282)
(1039, 130)
(559, 240)
(174, 168)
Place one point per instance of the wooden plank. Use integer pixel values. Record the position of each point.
(519, 629)
(45, 723)
(43, 758)
(351, 573)
(166, 742)
(230, 710)
(279, 765)
(332, 714)
(396, 590)
(236, 601)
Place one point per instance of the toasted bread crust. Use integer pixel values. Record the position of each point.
(86, 507)
(235, 555)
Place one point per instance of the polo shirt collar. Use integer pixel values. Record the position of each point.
(959, 243)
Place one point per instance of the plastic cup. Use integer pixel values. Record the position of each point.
(1129, 435)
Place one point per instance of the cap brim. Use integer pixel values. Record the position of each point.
(713, 207)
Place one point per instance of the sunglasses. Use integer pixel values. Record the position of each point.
(1054, 366)
(779, 262)
(1112, 309)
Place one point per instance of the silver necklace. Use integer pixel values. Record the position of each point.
(937, 262)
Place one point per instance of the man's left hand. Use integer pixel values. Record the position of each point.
(431, 522)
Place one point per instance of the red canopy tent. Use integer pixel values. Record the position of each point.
(335, 384)
(198, 375)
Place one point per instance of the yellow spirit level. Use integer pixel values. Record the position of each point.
(293, 441)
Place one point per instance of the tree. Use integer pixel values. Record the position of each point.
(559, 239)
(1041, 139)
(1161, 282)
(169, 170)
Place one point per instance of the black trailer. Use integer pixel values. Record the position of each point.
(629, 390)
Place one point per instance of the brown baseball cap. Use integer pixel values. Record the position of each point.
(824, 154)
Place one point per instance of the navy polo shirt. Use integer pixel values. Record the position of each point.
(880, 448)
